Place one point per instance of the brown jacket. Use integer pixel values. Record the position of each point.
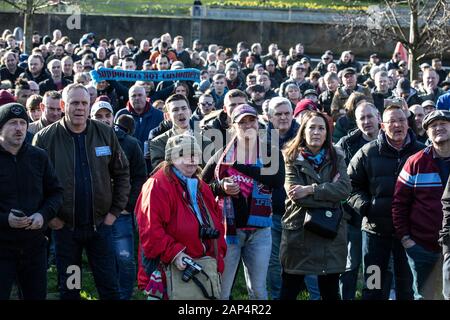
(301, 251)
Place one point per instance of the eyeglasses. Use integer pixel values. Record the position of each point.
(206, 104)
(300, 69)
(270, 65)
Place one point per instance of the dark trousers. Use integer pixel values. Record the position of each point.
(376, 254)
(292, 284)
(26, 266)
(100, 253)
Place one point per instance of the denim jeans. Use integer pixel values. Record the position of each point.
(274, 273)
(27, 267)
(446, 277)
(376, 254)
(254, 247)
(123, 239)
(349, 279)
(100, 253)
(422, 263)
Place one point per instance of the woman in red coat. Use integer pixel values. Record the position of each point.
(176, 213)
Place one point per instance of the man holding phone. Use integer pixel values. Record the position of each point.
(30, 197)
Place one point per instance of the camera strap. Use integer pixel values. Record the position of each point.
(202, 287)
(211, 223)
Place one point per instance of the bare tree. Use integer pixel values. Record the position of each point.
(28, 8)
(422, 26)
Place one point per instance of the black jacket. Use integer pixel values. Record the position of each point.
(373, 172)
(140, 57)
(49, 85)
(41, 77)
(138, 169)
(27, 182)
(378, 99)
(6, 75)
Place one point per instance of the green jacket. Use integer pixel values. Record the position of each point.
(107, 197)
(301, 251)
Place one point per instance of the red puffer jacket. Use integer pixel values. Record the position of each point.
(167, 225)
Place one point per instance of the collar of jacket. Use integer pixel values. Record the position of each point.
(386, 149)
(147, 108)
(20, 152)
(306, 167)
(63, 124)
(289, 135)
(354, 135)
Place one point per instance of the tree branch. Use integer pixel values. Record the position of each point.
(397, 23)
(15, 5)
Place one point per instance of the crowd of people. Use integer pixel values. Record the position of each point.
(234, 166)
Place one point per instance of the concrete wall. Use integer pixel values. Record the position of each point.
(316, 37)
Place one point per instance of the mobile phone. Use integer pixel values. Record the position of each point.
(390, 102)
(18, 213)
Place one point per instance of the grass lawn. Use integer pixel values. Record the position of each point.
(183, 6)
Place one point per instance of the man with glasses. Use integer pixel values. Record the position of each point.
(297, 77)
(349, 85)
(322, 66)
(373, 172)
(205, 106)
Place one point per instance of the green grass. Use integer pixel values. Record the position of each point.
(183, 7)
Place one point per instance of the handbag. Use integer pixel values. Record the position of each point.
(323, 221)
(199, 281)
(205, 285)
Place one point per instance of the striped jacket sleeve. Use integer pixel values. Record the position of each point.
(402, 199)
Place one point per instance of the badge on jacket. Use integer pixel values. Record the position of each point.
(103, 151)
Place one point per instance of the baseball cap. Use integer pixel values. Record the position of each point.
(427, 103)
(241, 111)
(348, 71)
(100, 105)
(310, 91)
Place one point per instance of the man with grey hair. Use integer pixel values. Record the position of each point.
(56, 81)
(145, 116)
(92, 90)
(368, 125)
(143, 54)
(94, 173)
(281, 123)
(381, 90)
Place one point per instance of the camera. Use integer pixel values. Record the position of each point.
(209, 233)
(192, 268)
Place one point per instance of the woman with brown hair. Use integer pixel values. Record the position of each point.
(316, 181)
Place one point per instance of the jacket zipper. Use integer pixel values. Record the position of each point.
(92, 185)
(74, 184)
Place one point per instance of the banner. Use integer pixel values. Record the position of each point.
(147, 75)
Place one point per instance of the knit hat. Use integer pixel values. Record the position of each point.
(11, 111)
(230, 65)
(305, 104)
(6, 97)
(435, 115)
(180, 145)
(103, 98)
(100, 105)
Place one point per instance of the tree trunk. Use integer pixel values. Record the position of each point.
(413, 40)
(28, 27)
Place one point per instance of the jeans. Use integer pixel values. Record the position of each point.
(349, 279)
(376, 254)
(254, 247)
(274, 273)
(123, 240)
(100, 253)
(312, 285)
(422, 263)
(27, 267)
(446, 277)
(293, 283)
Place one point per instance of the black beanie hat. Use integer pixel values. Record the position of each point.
(10, 111)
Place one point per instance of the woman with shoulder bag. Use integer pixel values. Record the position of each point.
(313, 239)
(179, 223)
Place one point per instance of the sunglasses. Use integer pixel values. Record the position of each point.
(206, 104)
(301, 69)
